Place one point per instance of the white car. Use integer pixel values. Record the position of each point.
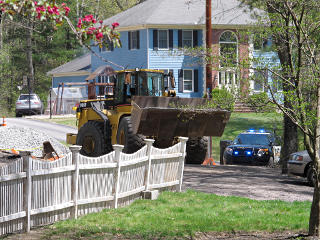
(300, 164)
(28, 104)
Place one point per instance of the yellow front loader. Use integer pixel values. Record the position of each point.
(139, 104)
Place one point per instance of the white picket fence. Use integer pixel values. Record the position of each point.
(35, 193)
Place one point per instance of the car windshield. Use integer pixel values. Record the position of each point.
(26, 97)
(253, 139)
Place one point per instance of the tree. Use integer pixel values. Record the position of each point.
(294, 28)
(29, 30)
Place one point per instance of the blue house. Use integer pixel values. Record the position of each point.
(154, 32)
(76, 70)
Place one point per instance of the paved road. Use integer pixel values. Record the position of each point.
(253, 182)
(53, 130)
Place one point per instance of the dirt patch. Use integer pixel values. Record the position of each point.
(255, 182)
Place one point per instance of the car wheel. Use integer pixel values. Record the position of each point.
(18, 115)
(227, 161)
(311, 177)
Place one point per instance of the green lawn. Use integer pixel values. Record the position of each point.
(240, 122)
(175, 215)
(64, 121)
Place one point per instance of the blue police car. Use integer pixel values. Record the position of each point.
(252, 147)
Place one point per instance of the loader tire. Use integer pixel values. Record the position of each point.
(196, 150)
(93, 140)
(125, 136)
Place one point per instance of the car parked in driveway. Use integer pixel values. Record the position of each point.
(300, 164)
(252, 147)
(28, 104)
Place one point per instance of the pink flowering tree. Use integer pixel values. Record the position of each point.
(87, 29)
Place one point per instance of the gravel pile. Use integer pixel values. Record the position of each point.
(28, 139)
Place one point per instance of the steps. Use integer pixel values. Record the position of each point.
(242, 108)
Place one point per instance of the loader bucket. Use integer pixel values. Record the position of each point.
(167, 117)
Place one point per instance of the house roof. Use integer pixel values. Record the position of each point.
(75, 65)
(182, 12)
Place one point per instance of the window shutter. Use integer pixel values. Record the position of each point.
(129, 40)
(180, 38)
(196, 80)
(171, 39)
(138, 39)
(171, 71)
(195, 38)
(155, 40)
(180, 83)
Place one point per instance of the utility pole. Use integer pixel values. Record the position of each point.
(209, 84)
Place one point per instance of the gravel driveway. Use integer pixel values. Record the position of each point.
(260, 183)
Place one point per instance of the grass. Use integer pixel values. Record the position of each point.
(64, 121)
(240, 122)
(178, 215)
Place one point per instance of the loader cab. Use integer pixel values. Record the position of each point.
(131, 83)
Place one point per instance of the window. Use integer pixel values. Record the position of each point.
(187, 80)
(187, 38)
(260, 77)
(133, 40)
(163, 39)
(228, 49)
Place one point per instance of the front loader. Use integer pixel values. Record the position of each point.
(138, 104)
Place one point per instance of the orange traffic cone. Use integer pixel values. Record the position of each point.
(208, 162)
(4, 122)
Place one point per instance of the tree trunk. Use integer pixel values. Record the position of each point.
(290, 142)
(314, 220)
(1, 31)
(29, 57)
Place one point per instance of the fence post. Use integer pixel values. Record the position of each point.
(149, 143)
(27, 168)
(75, 149)
(183, 141)
(118, 149)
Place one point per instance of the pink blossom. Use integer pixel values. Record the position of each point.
(99, 35)
(1, 2)
(56, 10)
(115, 24)
(50, 10)
(94, 21)
(100, 21)
(67, 10)
(92, 28)
(79, 23)
(35, 3)
(88, 18)
(40, 9)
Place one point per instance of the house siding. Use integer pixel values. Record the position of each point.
(67, 79)
(129, 59)
(175, 60)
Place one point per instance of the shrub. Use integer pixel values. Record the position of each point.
(223, 99)
(260, 102)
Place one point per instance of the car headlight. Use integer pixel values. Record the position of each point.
(229, 150)
(263, 151)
